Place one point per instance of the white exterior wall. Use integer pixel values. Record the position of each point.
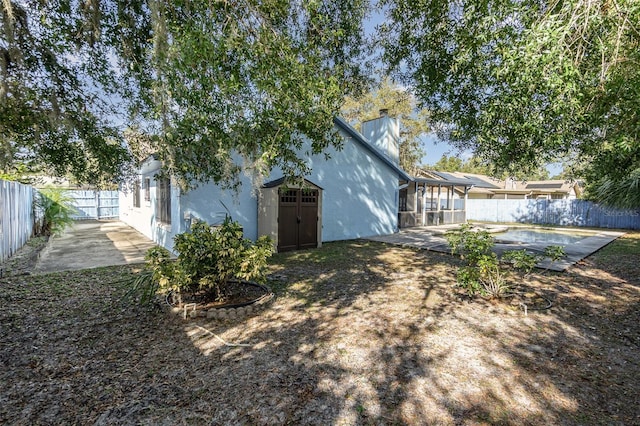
(143, 218)
(360, 193)
(211, 204)
(360, 199)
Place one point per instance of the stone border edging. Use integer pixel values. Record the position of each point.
(191, 311)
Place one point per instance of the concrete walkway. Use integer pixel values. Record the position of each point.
(92, 244)
(432, 238)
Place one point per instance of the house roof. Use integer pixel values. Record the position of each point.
(481, 184)
(431, 177)
(545, 185)
(283, 180)
(355, 135)
(444, 181)
(542, 186)
(481, 181)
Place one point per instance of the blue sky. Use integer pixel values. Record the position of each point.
(435, 148)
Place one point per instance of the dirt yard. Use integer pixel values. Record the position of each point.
(359, 333)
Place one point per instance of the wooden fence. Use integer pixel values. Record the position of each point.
(16, 216)
(579, 213)
(95, 204)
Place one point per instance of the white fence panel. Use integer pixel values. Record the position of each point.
(95, 204)
(579, 213)
(16, 216)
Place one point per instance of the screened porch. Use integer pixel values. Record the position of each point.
(425, 202)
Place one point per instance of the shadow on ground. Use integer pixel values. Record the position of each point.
(360, 333)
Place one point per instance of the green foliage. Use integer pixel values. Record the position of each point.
(143, 287)
(523, 82)
(469, 243)
(554, 253)
(158, 275)
(246, 84)
(477, 166)
(493, 281)
(208, 85)
(521, 260)
(401, 104)
(482, 272)
(56, 207)
(162, 268)
(18, 172)
(456, 164)
(468, 277)
(52, 107)
(622, 193)
(209, 257)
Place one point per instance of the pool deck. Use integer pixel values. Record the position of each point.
(432, 238)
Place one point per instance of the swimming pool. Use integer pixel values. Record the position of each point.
(542, 236)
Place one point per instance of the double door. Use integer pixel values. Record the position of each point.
(297, 219)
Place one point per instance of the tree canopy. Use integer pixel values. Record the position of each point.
(526, 82)
(210, 86)
(451, 163)
(401, 104)
(206, 85)
(54, 74)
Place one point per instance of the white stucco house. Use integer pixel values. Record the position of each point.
(353, 194)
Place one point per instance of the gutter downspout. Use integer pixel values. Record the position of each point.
(466, 198)
(424, 204)
(438, 210)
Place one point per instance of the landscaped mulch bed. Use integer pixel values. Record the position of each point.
(359, 333)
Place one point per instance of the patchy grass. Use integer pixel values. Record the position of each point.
(360, 333)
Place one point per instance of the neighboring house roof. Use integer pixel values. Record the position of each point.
(538, 187)
(481, 184)
(357, 136)
(481, 181)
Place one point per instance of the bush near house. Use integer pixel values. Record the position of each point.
(210, 257)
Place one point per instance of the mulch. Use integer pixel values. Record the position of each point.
(359, 333)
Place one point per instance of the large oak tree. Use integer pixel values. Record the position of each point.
(525, 82)
(207, 85)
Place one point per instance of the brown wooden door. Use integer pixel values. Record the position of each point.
(298, 219)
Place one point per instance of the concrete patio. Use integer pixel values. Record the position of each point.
(92, 244)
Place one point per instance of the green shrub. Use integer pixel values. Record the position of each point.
(470, 244)
(482, 272)
(492, 279)
(208, 258)
(554, 253)
(162, 267)
(521, 260)
(157, 275)
(57, 208)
